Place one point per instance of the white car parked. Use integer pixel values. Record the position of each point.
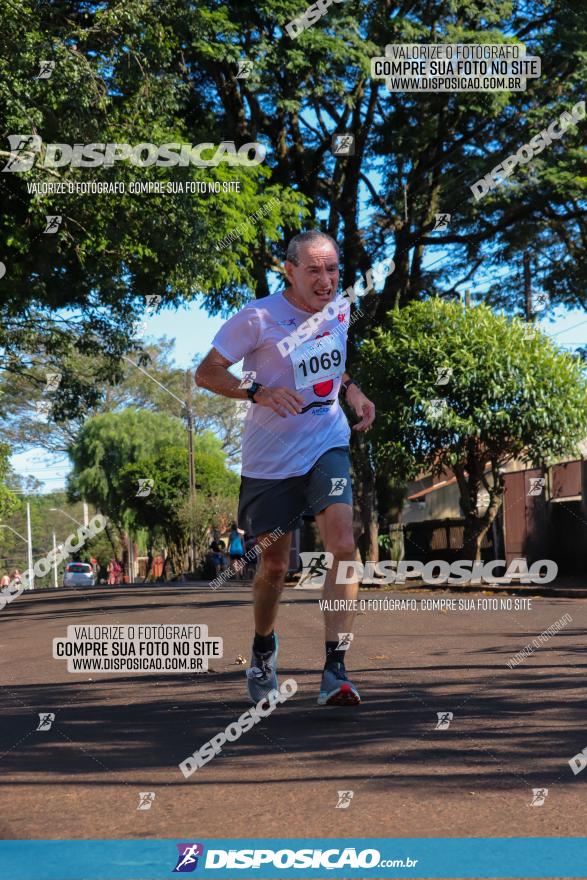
(78, 574)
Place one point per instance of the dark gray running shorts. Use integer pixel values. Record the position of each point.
(265, 505)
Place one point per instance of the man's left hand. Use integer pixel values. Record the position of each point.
(363, 407)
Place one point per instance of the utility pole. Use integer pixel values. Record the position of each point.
(31, 580)
(131, 557)
(465, 299)
(55, 560)
(528, 288)
(192, 470)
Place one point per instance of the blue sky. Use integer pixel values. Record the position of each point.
(193, 331)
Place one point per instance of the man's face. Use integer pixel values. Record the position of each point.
(315, 279)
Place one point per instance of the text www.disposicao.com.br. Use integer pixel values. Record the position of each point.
(143, 664)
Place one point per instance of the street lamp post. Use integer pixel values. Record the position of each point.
(31, 578)
(55, 559)
(191, 465)
(65, 513)
(22, 537)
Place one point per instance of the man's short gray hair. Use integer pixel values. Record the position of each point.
(293, 248)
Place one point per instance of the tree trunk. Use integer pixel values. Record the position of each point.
(365, 520)
(474, 532)
(477, 527)
(390, 500)
(470, 480)
(108, 531)
(149, 562)
(177, 555)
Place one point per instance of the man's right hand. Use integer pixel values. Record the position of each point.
(281, 400)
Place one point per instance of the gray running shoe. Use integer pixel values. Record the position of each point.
(262, 674)
(336, 689)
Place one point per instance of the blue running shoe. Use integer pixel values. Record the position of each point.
(336, 689)
(262, 674)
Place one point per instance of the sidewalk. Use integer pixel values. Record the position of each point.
(566, 587)
(569, 587)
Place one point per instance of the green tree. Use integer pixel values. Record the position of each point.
(170, 72)
(165, 512)
(510, 393)
(133, 466)
(8, 500)
(25, 428)
(213, 511)
(120, 76)
(105, 444)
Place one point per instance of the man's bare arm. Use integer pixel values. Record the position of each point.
(213, 374)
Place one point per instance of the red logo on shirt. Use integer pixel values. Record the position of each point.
(341, 317)
(323, 389)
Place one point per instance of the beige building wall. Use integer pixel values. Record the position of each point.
(443, 503)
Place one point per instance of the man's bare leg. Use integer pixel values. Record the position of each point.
(267, 589)
(269, 581)
(336, 530)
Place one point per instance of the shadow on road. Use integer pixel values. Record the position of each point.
(105, 728)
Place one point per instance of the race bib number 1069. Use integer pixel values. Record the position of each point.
(317, 360)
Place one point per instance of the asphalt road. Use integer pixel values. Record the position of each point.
(116, 735)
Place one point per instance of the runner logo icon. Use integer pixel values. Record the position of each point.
(444, 719)
(146, 799)
(187, 860)
(539, 796)
(314, 565)
(338, 485)
(344, 800)
(46, 720)
(344, 641)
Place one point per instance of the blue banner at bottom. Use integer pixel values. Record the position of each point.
(514, 857)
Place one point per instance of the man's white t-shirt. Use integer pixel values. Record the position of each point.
(276, 447)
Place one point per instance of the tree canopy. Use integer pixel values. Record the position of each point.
(173, 73)
(133, 466)
(464, 389)
(22, 393)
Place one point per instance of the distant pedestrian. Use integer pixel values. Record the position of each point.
(236, 549)
(95, 566)
(113, 570)
(215, 558)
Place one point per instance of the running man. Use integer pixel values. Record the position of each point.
(295, 453)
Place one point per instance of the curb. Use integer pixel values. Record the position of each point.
(519, 590)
